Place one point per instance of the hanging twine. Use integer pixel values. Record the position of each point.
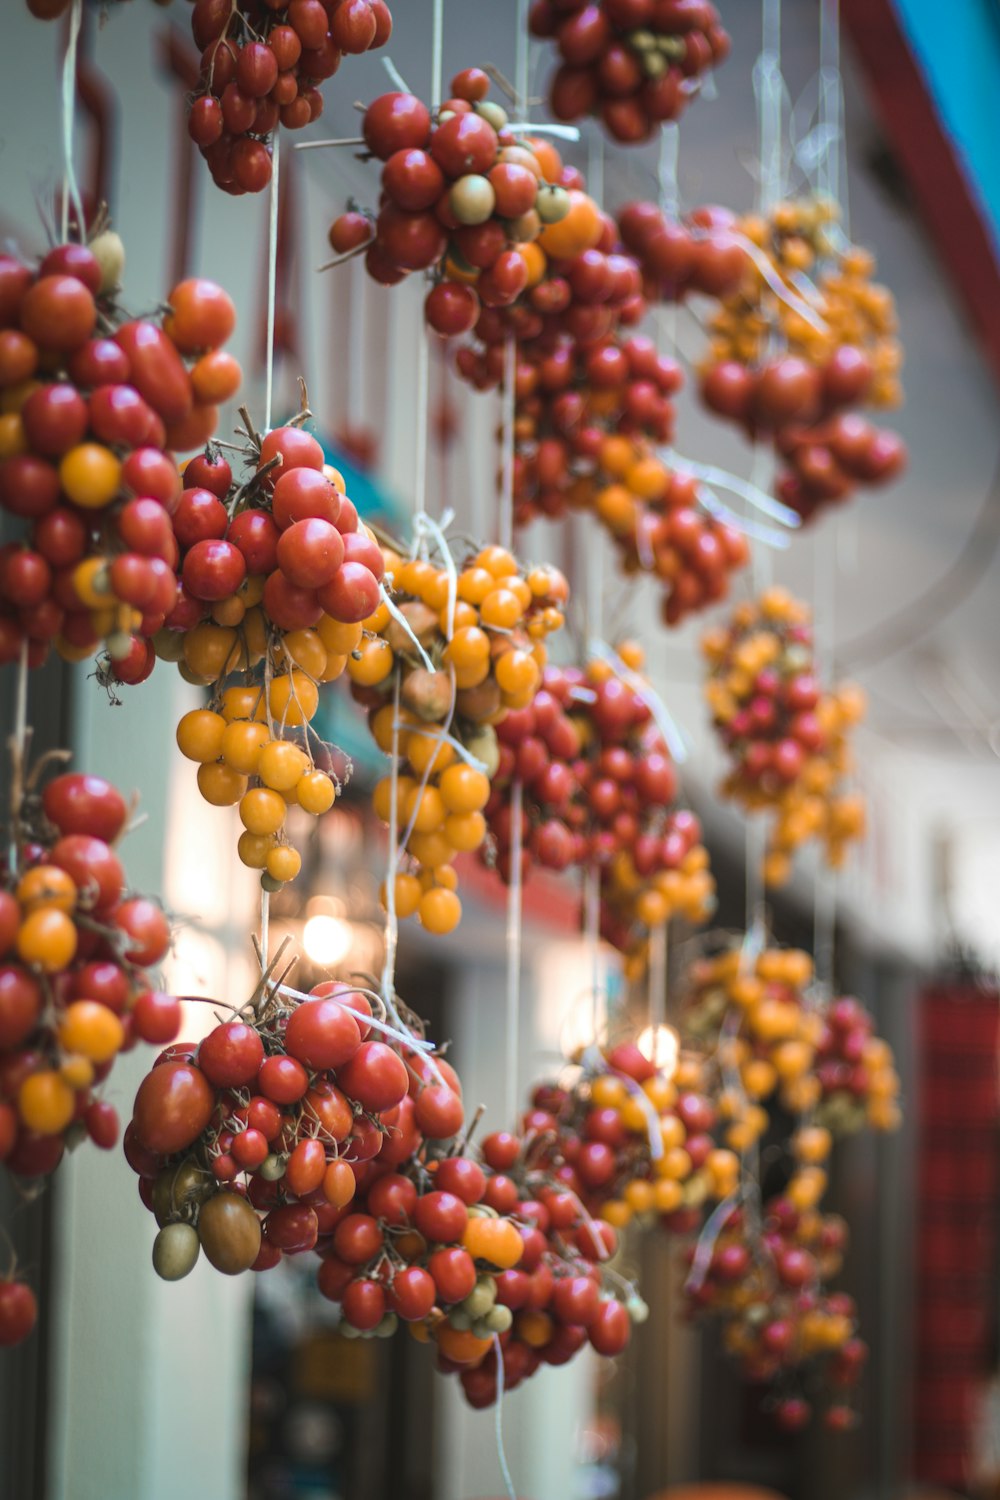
(71, 189)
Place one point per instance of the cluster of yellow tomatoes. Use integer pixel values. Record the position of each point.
(460, 650)
(803, 238)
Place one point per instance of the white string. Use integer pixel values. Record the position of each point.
(831, 99)
(396, 76)
(745, 488)
(272, 275)
(422, 417)
(357, 345)
(498, 1422)
(19, 743)
(404, 624)
(670, 207)
(780, 541)
(769, 90)
(437, 53)
(534, 127)
(754, 873)
(780, 289)
(391, 919)
(646, 694)
(595, 1062)
(706, 1242)
(400, 1034)
(523, 41)
(424, 524)
(71, 189)
(592, 935)
(595, 163)
(514, 914)
(509, 408)
(657, 982)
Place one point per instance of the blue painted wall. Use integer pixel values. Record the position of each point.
(957, 44)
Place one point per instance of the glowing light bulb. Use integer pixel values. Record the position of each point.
(662, 1045)
(327, 940)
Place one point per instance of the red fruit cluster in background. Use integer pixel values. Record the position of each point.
(566, 405)
(632, 63)
(697, 254)
(802, 343)
(76, 952)
(262, 62)
(92, 403)
(559, 1295)
(599, 791)
(782, 1323)
(829, 448)
(459, 191)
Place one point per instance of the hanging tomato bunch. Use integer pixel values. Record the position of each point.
(696, 254)
(599, 791)
(837, 353)
(278, 574)
(780, 1320)
(637, 1139)
(661, 524)
(92, 403)
(262, 62)
(632, 63)
(76, 951)
(462, 193)
(455, 658)
(247, 1145)
(419, 1244)
(785, 734)
(74, 987)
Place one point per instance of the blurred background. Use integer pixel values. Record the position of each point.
(139, 1390)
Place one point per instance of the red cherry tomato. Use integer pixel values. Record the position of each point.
(174, 1104)
(77, 803)
(231, 1055)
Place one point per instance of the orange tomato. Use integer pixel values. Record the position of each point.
(579, 230)
(47, 938)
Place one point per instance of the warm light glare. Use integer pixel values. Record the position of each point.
(661, 1045)
(327, 940)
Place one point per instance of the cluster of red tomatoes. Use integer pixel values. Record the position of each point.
(633, 63)
(786, 736)
(635, 1140)
(659, 522)
(781, 1322)
(277, 575)
(247, 1145)
(599, 791)
(461, 193)
(421, 1244)
(856, 1071)
(462, 652)
(678, 257)
(75, 951)
(91, 403)
(262, 62)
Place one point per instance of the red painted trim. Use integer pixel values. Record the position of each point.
(920, 142)
(548, 901)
